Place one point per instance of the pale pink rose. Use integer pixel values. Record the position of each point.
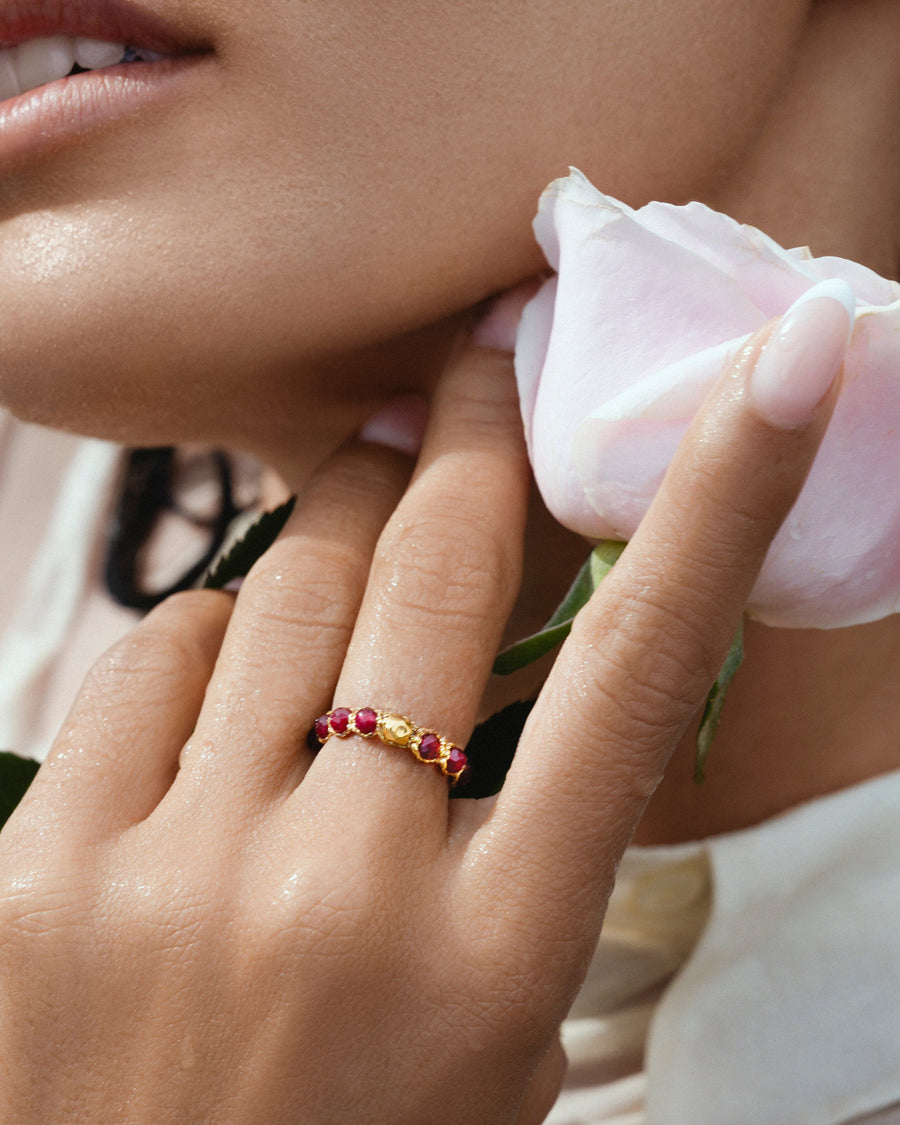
(616, 352)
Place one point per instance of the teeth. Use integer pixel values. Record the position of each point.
(9, 76)
(92, 54)
(39, 61)
(44, 60)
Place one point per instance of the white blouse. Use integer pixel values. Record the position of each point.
(749, 979)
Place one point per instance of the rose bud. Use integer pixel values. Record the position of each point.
(617, 351)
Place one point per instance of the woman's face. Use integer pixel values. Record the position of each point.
(327, 176)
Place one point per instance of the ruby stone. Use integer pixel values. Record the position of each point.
(430, 747)
(321, 728)
(456, 761)
(340, 717)
(366, 721)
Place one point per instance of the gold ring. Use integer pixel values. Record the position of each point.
(426, 746)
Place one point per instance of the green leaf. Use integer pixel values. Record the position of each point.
(578, 594)
(16, 774)
(603, 558)
(530, 649)
(598, 564)
(715, 701)
(259, 537)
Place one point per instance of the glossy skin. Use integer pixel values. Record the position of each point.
(201, 922)
(271, 287)
(332, 177)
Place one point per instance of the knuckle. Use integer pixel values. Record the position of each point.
(316, 602)
(150, 660)
(452, 568)
(365, 473)
(685, 652)
(663, 635)
(641, 726)
(482, 387)
(486, 415)
(292, 566)
(316, 590)
(649, 671)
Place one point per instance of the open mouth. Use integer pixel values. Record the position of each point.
(68, 67)
(37, 62)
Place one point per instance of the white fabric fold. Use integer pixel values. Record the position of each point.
(56, 587)
(788, 1011)
(755, 977)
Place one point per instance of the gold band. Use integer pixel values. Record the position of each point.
(427, 746)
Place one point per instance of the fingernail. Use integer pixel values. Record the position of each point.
(400, 425)
(803, 355)
(500, 321)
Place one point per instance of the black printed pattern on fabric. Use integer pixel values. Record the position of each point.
(148, 492)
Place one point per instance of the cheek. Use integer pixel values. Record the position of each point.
(347, 174)
(410, 145)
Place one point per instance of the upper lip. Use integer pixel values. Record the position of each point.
(117, 21)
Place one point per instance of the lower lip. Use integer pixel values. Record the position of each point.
(50, 116)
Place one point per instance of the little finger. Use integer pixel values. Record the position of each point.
(117, 754)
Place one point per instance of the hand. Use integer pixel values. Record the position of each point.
(203, 923)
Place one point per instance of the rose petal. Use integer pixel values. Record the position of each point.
(615, 355)
(625, 302)
(770, 276)
(622, 450)
(836, 561)
(870, 288)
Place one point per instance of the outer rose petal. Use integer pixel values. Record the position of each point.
(622, 450)
(624, 295)
(836, 560)
(616, 354)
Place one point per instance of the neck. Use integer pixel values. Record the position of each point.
(811, 711)
(824, 171)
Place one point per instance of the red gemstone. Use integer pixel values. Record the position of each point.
(463, 777)
(366, 721)
(322, 730)
(430, 747)
(340, 717)
(456, 761)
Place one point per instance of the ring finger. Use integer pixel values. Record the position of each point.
(442, 583)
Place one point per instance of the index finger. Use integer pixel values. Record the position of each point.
(643, 653)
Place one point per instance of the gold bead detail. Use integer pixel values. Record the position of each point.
(395, 730)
